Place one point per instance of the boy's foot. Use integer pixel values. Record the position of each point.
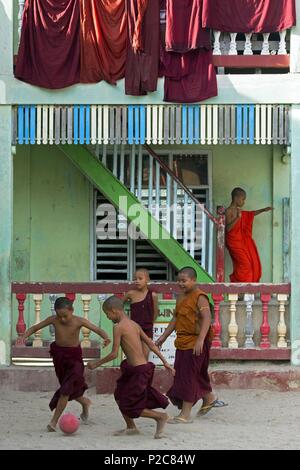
(85, 411)
(215, 404)
(160, 425)
(51, 428)
(127, 432)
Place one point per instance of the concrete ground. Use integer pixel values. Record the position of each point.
(254, 419)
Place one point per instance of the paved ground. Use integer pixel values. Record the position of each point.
(254, 419)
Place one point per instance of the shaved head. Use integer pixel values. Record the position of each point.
(143, 271)
(236, 192)
(190, 272)
(113, 302)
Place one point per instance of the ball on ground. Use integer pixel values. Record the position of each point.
(69, 423)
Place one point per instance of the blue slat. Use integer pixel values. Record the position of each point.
(81, 124)
(87, 124)
(245, 124)
(239, 124)
(75, 130)
(191, 124)
(130, 125)
(183, 124)
(136, 125)
(197, 124)
(20, 124)
(251, 124)
(142, 124)
(32, 124)
(26, 125)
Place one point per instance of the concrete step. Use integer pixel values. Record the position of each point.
(265, 376)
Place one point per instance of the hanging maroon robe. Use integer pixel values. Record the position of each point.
(134, 392)
(243, 250)
(184, 29)
(49, 51)
(103, 38)
(143, 312)
(69, 369)
(247, 16)
(142, 61)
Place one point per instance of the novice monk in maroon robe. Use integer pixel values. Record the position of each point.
(67, 357)
(239, 241)
(134, 394)
(143, 305)
(192, 322)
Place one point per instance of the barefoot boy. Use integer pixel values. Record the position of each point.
(192, 322)
(134, 394)
(239, 241)
(143, 305)
(67, 357)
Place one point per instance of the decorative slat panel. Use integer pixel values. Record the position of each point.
(152, 124)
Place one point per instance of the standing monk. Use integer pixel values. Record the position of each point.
(239, 241)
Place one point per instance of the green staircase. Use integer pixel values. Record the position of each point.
(113, 190)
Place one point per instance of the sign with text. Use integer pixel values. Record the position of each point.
(167, 349)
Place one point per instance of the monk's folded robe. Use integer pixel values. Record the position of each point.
(243, 250)
(69, 369)
(143, 42)
(134, 392)
(142, 313)
(191, 381)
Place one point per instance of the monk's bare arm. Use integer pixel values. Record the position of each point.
(37, 327)
(170, 328)
(155, 306)
(87, 324)
(152, 346)
(128, 296)
(232, 218)
(205, 319)
(265, 209)
(114, 351)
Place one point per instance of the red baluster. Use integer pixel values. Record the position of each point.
(120, 295)
(20, 326)
(265, 327)
(217, 343)
(167, 296)
(71, 296)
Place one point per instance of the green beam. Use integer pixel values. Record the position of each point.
(113, 190)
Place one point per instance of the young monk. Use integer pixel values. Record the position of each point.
(67, 358)
(239, 241)
(192, 322)
(134, 394)
(143, 305)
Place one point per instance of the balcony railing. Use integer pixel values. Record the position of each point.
(251, 321)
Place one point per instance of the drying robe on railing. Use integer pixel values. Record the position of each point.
(103, 40)
(247, 16)
(243, 251)
(49, 52)
(184, 29)
(142, 62)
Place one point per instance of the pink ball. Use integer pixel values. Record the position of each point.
(69, 423)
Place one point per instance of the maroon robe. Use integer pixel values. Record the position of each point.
(134, 392)
(49, 51)
(141, 68)
(69, 369)
(143, 312)
(191, 381)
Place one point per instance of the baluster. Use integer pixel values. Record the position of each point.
(282, 43)
(21, 326)
(232, 45)
(20, 16)
(265, 45)
(249, 329)
(86, 299)
(248, 44)
(217, 342)
(52, 298)
(71, 296)
(37, 342)
(233, 327)
(217, 48)
(265, 327)
(281, 328)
